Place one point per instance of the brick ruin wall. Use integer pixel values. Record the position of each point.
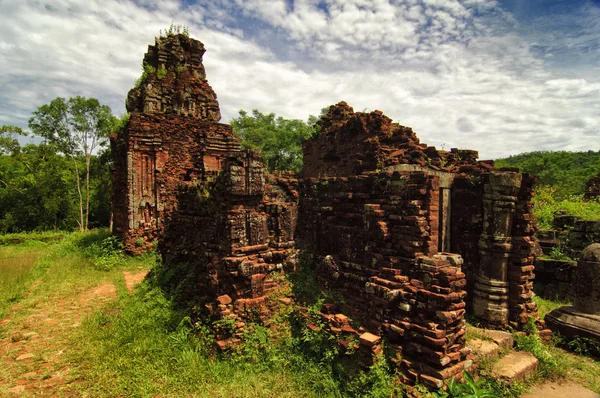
(229, 237)
(379, 213)
(373, 238)
(157, 154)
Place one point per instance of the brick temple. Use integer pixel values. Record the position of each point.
(411, 236)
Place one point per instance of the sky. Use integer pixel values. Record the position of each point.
(499, 76)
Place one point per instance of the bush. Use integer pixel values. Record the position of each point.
(102, 249)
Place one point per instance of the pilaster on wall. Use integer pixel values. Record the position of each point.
(490, 302)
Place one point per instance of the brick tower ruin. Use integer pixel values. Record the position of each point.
(409, 235)
(173, 137)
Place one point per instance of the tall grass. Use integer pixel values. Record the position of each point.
(65, 264)
(148, 348)
(16, 265)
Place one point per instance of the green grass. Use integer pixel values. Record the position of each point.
(148, 348)
(545, 306)
(16, 265)
(43, 236)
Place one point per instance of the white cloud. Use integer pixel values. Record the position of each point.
(456, 71)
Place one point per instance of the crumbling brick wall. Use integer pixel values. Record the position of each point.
(374, 238)
(229, 237)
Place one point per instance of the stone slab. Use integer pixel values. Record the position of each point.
(570, 322)
(503, 339)
(483, 348)
(516, 366)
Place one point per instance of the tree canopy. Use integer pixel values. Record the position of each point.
(279, 140)
(9, 144)
(41, 185)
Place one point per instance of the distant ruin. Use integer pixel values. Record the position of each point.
(592, 188)
(410, 235)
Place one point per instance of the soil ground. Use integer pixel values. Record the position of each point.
(32, 349)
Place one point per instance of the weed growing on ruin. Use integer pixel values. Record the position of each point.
(147, 70)
(584, 346)
(531, 341)
(579, 345)
(161, 73)
(559, 252)
(175, 29)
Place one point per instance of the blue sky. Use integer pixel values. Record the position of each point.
(502, 77)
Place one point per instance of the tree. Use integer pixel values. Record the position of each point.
(76, 127)
(9, 144)
(280, 140)
(37, 191)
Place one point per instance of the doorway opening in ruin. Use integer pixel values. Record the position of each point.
(444, 220)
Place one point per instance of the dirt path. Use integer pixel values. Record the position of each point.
(32, 359)
(566, 389)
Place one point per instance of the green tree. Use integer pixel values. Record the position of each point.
(279, 140)
(37, 192)
(9, 144)
(76, 127)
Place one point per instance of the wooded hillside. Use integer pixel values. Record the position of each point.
(567, 172)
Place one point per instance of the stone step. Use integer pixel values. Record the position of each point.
(503, 339)
(484, 349)
(515, 366)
